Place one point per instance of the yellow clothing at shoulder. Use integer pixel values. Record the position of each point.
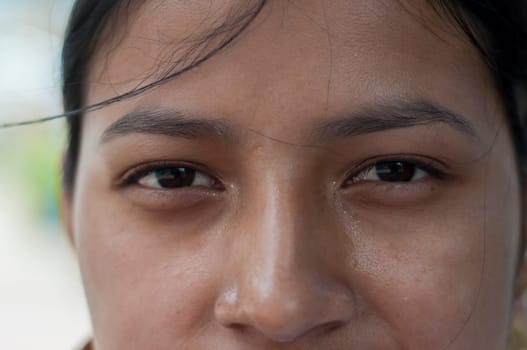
(518, 337)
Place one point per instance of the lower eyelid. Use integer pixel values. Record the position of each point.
(161, 201)
(391, 193)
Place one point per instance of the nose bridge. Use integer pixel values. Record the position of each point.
(283, 288)
(278, 212)
(278, 238)
(282, 221)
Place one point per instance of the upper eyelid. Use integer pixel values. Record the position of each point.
(411, 158)
(432, 166)
(132, 175)
(425, 162)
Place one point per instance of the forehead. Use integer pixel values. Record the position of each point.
(296, 57)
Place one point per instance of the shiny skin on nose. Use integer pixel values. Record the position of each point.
(283, 283)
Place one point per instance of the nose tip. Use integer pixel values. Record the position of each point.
(284, 317)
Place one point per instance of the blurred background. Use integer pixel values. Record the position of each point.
(42, 305)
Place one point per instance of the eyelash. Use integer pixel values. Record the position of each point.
(427, 165)
(134, 176)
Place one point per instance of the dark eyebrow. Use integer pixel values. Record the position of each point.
(393, 115)
(381, 117)
(167, 122)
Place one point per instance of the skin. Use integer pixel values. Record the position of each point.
(297, 244)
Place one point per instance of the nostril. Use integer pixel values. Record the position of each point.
(333, 326)
(295, 329)
(237, 327)
(284, 324)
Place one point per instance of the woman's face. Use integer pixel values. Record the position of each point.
(340, 176)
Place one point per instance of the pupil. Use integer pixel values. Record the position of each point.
(175, 177)
(395, 171)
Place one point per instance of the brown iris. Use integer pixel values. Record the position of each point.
(395, 171)
(175, 177)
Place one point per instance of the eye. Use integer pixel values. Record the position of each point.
(392, 171)
(173, 178)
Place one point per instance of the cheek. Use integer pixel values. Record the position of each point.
(439, 275)
(146, 284)
(425, 287)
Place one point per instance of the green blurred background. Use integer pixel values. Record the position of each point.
(42, 305)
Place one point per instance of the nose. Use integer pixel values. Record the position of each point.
(285, 282)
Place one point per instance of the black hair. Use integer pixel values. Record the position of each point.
(496, 28)
(88, 20)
